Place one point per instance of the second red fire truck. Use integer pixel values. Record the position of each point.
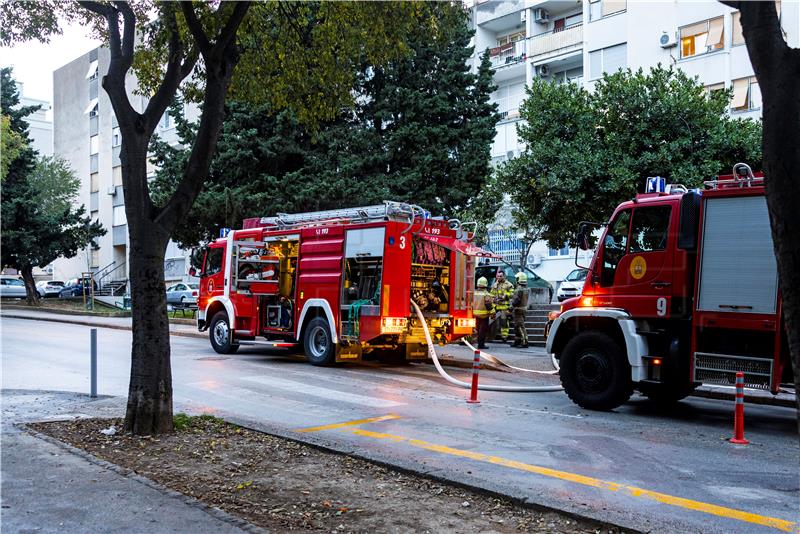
(339, 283)
(682, 290)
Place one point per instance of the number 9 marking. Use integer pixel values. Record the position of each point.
(661, 306)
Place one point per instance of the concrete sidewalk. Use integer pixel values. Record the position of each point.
(51, 487)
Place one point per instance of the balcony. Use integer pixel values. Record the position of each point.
(502, 13)
(555, 43)
(507, 54)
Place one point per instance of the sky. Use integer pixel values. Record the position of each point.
(34, 62)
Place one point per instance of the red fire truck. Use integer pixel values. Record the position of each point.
(339, 282)
(682, 290)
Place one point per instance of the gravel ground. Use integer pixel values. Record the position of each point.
(284, 486)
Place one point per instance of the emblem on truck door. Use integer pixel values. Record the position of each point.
(638, 267)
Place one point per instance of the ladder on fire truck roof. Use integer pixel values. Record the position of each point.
(742, 177)
(388, 211)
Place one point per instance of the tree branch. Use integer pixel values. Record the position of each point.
(228, 33)
(199, 34)
(129, 31)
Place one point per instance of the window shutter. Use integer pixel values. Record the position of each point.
(596, 63)
(736, 22)
(740, 90)
(615, 58)
(694, 29)
(714, 32)
(613, 6)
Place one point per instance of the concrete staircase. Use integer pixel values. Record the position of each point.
(112, 288)
(535, 321)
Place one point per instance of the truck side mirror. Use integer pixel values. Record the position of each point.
(192, 271)
(583, 237)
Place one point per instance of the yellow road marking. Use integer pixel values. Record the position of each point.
(348, 423)
(713, 509)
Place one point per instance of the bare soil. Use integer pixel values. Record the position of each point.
(285, 486)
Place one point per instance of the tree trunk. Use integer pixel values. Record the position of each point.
(31, 294)
(149, 409)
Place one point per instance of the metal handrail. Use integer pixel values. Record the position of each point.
(555, 30)
(100, 280)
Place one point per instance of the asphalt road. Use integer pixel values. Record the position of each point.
(640, 466)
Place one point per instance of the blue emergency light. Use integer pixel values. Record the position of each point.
(223, 232)
(656, 184)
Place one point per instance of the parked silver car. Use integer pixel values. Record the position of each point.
(182, 294)
(49, 288)
(12, 287)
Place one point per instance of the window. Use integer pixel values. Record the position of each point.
(119, 218)
(559, 24)
(603, 8)
(95, 258)
(715, 87)
(94, 182)
(609, 59)
(649, 229)
(94, 163)
(738, 36)
(116, 137)
(702, 37)
(746, 94)
(165, 120)
(213, 263)
(91, 108)
(614, 246)
(510, 38)
(116, 174)
(94, 144)
(91, 74)
(563, 251)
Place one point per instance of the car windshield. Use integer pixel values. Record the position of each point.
(15, 282)
(193, 286)
(578, 275)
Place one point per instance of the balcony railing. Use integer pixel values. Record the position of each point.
(508, 54)
(558, 40)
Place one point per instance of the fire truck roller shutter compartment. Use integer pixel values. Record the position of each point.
(362, 283)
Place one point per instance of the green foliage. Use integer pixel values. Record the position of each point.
(12, 145)
(587, 152)
(39, 221)
(421, 132)
(182, 421)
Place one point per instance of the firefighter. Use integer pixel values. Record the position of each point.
(482, 306)
(519, 302)
(501, 292)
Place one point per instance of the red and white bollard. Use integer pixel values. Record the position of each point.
(738, 421)
(473, 393)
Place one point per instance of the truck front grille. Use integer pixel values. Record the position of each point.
(722, 368)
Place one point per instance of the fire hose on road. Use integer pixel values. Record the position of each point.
(459, 383)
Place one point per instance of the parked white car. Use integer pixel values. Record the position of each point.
(572, 286)
(12, 287)
(49, 288)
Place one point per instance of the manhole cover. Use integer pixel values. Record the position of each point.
(211, 359)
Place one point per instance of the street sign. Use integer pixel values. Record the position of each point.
(223, 232)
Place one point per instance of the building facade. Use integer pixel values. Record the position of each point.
(86, 134)
(578, 41)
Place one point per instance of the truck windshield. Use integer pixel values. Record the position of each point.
(213, 263)
(614, 245)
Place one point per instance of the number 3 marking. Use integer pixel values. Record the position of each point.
(661, 306)
(402, 241)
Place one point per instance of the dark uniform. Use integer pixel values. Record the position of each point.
(520, 304)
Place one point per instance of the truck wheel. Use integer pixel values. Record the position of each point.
(595, 372)
(219, 334)
(318, 342)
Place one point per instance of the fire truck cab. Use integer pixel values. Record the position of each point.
(682, 290)
(339, 283)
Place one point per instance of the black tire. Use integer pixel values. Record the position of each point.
(318, 342)
(218, 333)
(666, 394)
(595, 372)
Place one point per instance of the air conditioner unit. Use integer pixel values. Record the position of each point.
(668, 39)
(541, 15)
(112, 190)
(543, 71)
(534, 259)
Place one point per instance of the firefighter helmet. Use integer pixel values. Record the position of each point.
(483, 282)
(522, 277)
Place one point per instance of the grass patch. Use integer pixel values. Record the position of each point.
(182, 421)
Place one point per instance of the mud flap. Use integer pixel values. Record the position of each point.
(348, 353)
(416, 351)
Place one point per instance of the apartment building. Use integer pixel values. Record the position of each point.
(40, 124)
(86, 134)
(577, 41)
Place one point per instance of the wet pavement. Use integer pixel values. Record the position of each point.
(640, 466)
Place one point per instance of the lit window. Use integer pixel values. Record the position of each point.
(746, 94)
(702, 37)
(609, 59)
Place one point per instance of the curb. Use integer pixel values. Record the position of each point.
(94, 324)
(130, 474)
(60, 311)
